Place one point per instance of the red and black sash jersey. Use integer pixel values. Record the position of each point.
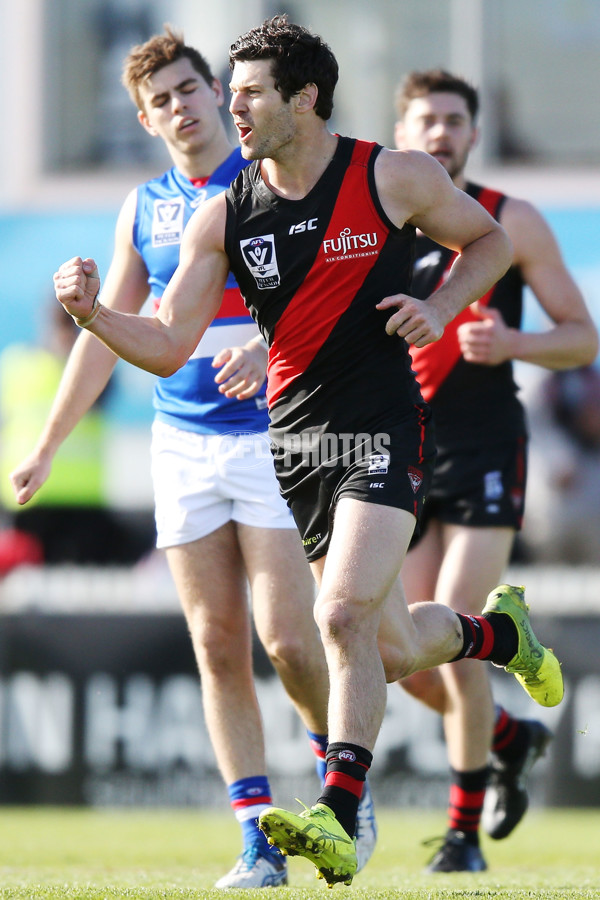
(472, 404)
(311, 272)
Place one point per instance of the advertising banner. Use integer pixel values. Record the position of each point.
(106, 710)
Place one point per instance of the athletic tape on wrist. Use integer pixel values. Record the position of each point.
(87, 320)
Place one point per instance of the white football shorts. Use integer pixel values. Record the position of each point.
(202, 481)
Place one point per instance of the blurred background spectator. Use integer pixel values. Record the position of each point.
(562, 514)
(68, 521)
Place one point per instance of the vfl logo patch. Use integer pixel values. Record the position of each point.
(167, 222)
(261, 259)
(378, 463)
(415, 476)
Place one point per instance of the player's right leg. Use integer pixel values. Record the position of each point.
(518, 744)
(469, 561)
(283, 597)
(210, 581)
(354, 581)
(194, 526)
(474, 561)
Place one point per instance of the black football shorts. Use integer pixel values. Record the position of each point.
(482, 487)
(391, 468)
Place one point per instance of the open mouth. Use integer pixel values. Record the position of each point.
(243, 130)
(187, 123)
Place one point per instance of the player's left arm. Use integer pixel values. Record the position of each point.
(572, 339)
(414, 188)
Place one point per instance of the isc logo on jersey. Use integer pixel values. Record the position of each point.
(306, 225)
(167, 222)
(260, 257)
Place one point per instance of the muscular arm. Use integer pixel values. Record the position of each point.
(162, 343)
(414, 188)
(573, 340)
(90, 363)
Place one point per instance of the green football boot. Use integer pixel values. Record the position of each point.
(315, 834)
(535, 667)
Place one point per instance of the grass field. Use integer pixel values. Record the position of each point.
(106, 854)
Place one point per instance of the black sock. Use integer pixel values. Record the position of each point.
(511, 737)
(467, 792)
(347, 767)
(492, 636)
(506, 638)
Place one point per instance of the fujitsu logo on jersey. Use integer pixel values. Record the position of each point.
(349, 246)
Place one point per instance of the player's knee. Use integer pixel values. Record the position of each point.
(397, 662)
(217, 648)
(288, 652)
(335, 618)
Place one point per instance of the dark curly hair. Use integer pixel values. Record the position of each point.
(298, 58)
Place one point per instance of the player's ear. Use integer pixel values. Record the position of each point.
(144, 122)
(475, 133)
(306, 98)
(217, 89)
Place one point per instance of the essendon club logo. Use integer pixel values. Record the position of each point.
(415, 476)
(261, 259)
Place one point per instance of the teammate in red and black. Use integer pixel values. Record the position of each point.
(475, 505)
(328, 281)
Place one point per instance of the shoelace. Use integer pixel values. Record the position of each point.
(309, 810)
(251, 854)
(367, 815)
(249, 857)
(442, 842)
(436, 842)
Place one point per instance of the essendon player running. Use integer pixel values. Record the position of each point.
(324, 304)
(475, 505)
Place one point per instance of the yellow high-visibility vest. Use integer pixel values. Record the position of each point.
(29, 377)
